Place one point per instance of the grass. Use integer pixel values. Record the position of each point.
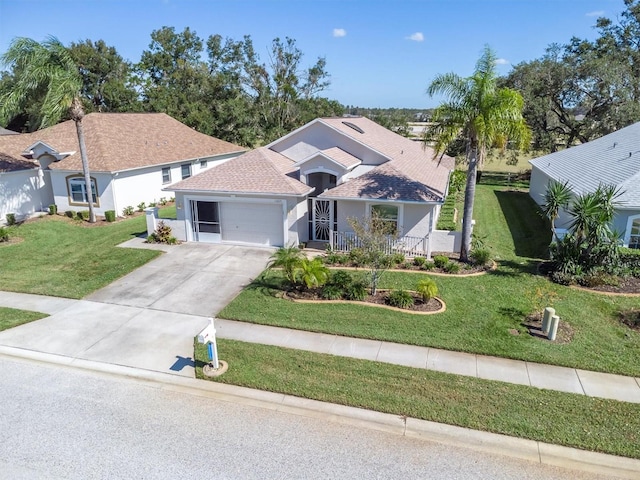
(481, 311)
(553, 417)
(10, 317)
(65, 259)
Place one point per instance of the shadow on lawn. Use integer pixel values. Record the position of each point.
(513, 268)
(530, 232)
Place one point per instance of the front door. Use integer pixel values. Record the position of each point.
(205, 219)
(322, 219)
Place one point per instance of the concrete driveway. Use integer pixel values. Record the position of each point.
(146, 319)
(193, 278)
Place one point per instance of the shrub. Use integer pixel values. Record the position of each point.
(53, 209)
(162, 234)
(428, 266)
(400, 299)
(407, 265)
(82, 215)
(127, 211)
(153, 204)
(356, 291)
(427, 289)
(335, 258)
(452, 267)
(11, 218)
(110, 215)
(70, 213)
(480, 256)
(562, 278)
(340, 279)
(331, 292)
(397, 258)
(163, 201)
(313, 273)
(289, 259)
(419, 261)
(142, 206)
(440, 261)
(4, 234)
(357, 257)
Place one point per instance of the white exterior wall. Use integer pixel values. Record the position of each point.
(417, 220)
(445, 241)
(538, 185)
(346, 210)
(20, 193)
(294, 211)
(318, 136)
(62, 197)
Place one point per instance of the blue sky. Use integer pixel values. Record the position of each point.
(379, 53)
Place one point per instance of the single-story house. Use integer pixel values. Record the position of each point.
(132, 157)
(610, 160)
(306, 186)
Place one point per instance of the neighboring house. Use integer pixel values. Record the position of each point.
(610, 160)
(306, 185)
(132, 157)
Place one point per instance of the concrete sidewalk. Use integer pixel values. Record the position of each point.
(163, 341)
(550, 377)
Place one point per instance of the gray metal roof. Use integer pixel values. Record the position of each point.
(610, 160)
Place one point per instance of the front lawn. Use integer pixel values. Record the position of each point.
(10, 317)
(62, 258)
(483, 313)
(560, 418)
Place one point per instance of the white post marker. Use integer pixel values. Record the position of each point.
(208, 337)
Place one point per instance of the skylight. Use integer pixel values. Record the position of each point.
(354, 126)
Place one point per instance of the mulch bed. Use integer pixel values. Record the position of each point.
(380, 298)
(631, 318)
(626, 285)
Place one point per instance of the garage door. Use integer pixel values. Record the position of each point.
(255, 223)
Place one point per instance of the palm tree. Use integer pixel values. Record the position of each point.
(557, 196)
(47, 70)
(289, 259)
(313, 273)
(481, 113)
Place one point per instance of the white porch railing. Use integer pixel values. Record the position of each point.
(410, 246)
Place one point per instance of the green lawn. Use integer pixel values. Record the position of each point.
(10, 317)
(480, 310)
(553, 417)
(65, 259)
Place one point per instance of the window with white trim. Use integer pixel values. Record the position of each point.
(634, 238)
(388, 215)
(166, 175)
(78, 191)
(186, 170)
(203, 164)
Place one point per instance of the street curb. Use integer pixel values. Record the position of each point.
(530, 450)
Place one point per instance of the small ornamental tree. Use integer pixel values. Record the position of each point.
(373, 237)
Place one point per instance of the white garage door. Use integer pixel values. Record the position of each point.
(256, 223)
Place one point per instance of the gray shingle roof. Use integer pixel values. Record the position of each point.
(611, 160)
(258, 171)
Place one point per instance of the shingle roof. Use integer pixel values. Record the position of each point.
(121, 141)
(258, 171)
(611, 160)
(411, 174)
(343, 158)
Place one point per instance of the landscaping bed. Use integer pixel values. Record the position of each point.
(381, 298)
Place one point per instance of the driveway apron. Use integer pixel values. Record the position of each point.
(146, 319)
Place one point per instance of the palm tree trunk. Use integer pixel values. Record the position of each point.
(469, 196)
(85, 169)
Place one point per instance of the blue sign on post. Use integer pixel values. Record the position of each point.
(210, 350)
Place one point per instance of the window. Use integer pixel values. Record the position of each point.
(388, 215)
(203, 164)
(78, 191)
(186, 170)
(166, 175)
(634, 239)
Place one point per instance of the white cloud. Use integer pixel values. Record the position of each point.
(597, 13)
(339, 32)
(502, 61)
(416, 37)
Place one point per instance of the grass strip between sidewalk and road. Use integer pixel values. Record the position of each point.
(11, 317)
(567, 419)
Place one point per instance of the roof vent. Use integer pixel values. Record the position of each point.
(354, 126)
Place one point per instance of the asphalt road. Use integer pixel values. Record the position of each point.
(64, 423)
